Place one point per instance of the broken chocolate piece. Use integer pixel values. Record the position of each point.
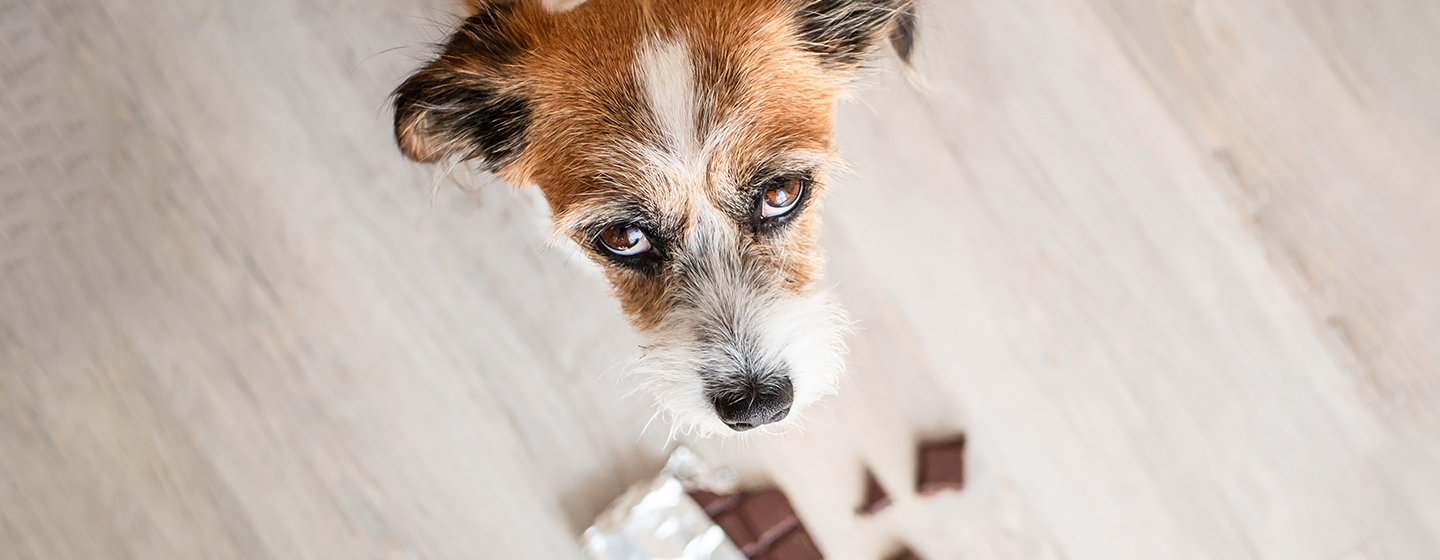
(875, 497)
(942, 466)
(796, 545)
(904, 554)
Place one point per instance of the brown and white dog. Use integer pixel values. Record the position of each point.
(685, 145)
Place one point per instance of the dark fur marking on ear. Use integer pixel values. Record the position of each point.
(842, 32)
(902, 32)
(459, 104)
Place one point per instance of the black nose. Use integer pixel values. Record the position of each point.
(756, 405)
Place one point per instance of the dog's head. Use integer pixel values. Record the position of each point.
(685, 144)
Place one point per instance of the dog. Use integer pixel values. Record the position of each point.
(685, 146)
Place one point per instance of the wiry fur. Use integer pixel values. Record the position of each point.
(672, 116)
(807, 332)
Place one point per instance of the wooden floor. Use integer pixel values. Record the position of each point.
(1173, 265)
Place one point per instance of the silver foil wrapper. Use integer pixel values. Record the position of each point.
(657, 519)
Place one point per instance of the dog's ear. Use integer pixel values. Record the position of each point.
(843, 32)
(468, 103)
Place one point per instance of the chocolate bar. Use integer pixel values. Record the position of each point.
(793, 546)
(736, 527)
(714, 504)
(768, 515)
(761, 523)
(942, 466)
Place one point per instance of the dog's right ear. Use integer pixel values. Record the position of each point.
(468, 103)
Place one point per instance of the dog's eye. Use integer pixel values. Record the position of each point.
(625, 240)
(781, 197)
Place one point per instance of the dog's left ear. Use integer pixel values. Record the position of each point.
(468, 103)
(843, 32)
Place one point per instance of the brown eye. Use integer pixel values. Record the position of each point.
(781, 196)
(625, 240)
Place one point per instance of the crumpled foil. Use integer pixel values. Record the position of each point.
(657, 519)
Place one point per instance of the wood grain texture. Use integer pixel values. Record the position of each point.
(1173, 266)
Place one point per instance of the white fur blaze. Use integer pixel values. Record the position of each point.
(558, 6)
(667, 76)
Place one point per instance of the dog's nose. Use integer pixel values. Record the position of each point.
(760, 404)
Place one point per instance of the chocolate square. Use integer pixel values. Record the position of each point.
(942, 466)
(768, 514)
(794, 546)
(875, 497)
